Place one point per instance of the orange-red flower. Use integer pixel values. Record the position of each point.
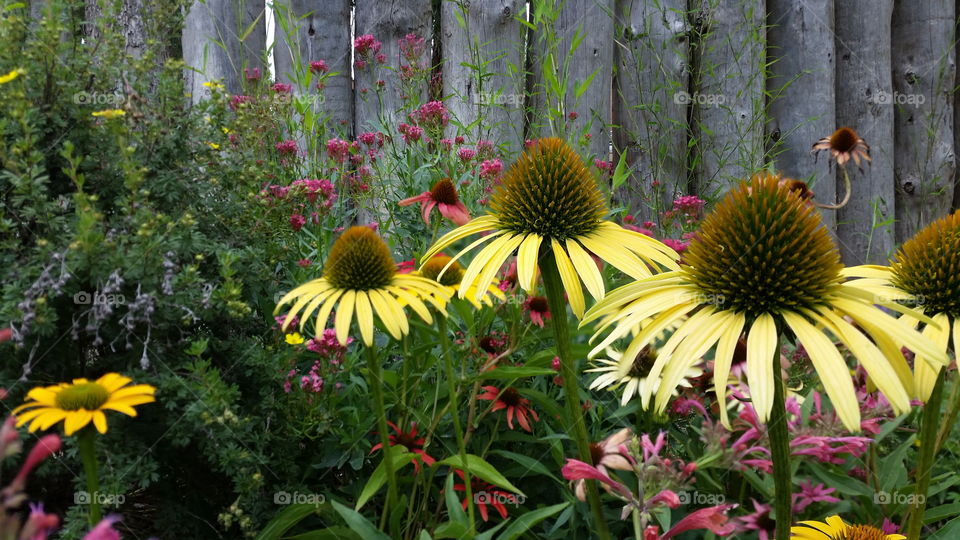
(515, 404)
(410, 441)
(443, 196)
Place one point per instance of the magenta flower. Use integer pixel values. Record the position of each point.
(443, 196)
(608, 453)
(538, 309)
(810, 494)
(285, 148)
(466, 154)
(490, 169)
(319, 66)
(104, 530)
(282, 88)
(578, 471)
(366, 44)
(713, 519)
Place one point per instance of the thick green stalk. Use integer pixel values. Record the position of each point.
(455, 412)
(571, 388)
(376, 386)
(930, 424)
(86, 443)
(780, 453)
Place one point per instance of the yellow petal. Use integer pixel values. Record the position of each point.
(388, 310)
(344, 316)
(925, 371)
(831, 369)
(867, 315)
(689, 353)
(473, 245)
(100, 421)
(723, 359)
(495, 263)
(623, 260)
(586, 268)
(364, 317)
(76, 420)
(325, 309)
(480, 224)
(571, 283)
(527, 256)
(761, 347)
(414, 302)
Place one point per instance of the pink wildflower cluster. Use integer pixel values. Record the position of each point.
(327, 346)
(252, 74)
(319, 67)
(238, 101)
(466, 154)
(338, 150)
(490, 169)
(282, 88)
(304, 197)
(366, 48)
(410, 134)
(432, 115)
(286, 148)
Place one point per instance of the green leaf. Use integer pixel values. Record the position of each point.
(454, 507)
(287, 518)
(950, 531)
(480, 468)
(943, 511)
(528, 462)
(379, 477)
(330, 533)
(584, 85)
(514, 372)
(621, 173)
(844, 483)
(523, 523)
(358, 523)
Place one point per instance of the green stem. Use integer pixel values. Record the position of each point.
(455, 412)
(571, 389)
(86, 442)
(929, 426)
(376, 385)
(780, 452)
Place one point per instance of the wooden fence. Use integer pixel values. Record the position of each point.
(696, 92)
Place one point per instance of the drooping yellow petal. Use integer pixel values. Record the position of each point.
(867, 271)
(695, 324)
(480, 224)
(344, 316)
(571, 283)
(643, 245)
(689, 353)
(76, 420)
(324, 313)
(497, 259)
(527, 255)
(902, 334)
(831, 369)
(624, 260)
(386, 313)
(616, 298)
(100, 421)
(761, 347)
(364, 317)
(482, 240)
(481, 261)
(411, 300)
(313, 305)
(586, 268)
(925, 372)
(316, 285)
(723, 360)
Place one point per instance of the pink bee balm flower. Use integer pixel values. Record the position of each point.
(466, 154)
(286, 147)
(443, 196)
(319, 66)
(282, 88)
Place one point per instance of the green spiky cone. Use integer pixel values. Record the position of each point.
(360, 260)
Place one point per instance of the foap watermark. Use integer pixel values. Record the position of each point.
(710, 100)
(898, 98)
(885, 497)
(494, 497)
(498, 98)
(84, 298)
(97, 98)
(285, 498)
(98, 497)
(699, 498)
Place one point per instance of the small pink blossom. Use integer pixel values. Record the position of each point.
(466, 154)
(319, 66)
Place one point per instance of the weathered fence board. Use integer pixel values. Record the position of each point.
(319, 30)
(483, 44)
(388, 21)
(728, 92)
(923, 82)
(801, 90)
(864, 226)
(650, 114)
(220, 38)
(584, 27)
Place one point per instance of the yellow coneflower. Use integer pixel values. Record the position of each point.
(633, 375)
(835, 529)
(360, 278)
(763, 262)
(549, 205)
(82, 402)
(433, 269)
(927, 269)
(844, 144)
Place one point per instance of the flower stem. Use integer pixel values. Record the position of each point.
(86, 443)
(376, 385)
(780, 453)
(571, 388)
(930, 424)
(455, 412)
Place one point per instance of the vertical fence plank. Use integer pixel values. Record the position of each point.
(864, 226)
(801, 86)
(483, 47)
(923, 80)
(650, 114)
(728, 92)
(220, 38)
(388, 21)
(589, 70)
(319, 30)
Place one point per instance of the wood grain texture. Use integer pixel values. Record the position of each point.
(923, 81)
(728, 94)
(865, 226)
(651, 53)
(591, 22)
(322, 32)
(801, 92)
(486, 33)
(388, 21)
(212, 45)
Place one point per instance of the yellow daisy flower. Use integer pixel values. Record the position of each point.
(924, 272)
(762, 263)
(294, 338)
(549, 205)
(835, 529)
(81, 402)
(452, 277)
(360, 278)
